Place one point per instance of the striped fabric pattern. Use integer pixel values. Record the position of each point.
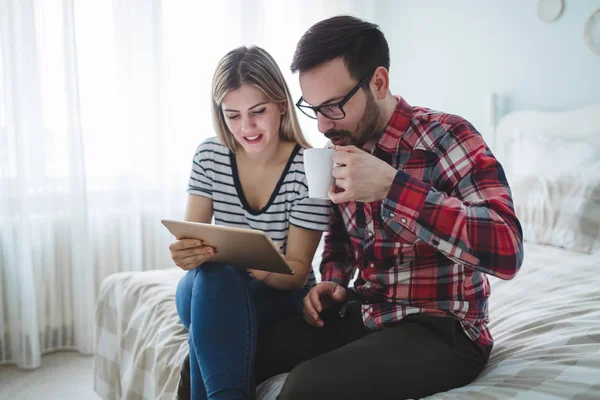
(214, 175)
(448, 220)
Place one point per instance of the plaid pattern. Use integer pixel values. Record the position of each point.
(549, 348)
(140, 341)
(448, 220)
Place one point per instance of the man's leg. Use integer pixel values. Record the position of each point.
(184, 385)
(286, 343)
(418, 357)
(273, 305)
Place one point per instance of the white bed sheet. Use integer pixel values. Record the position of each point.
(546, 326)
(546, 323)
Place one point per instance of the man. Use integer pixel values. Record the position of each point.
(421, 209)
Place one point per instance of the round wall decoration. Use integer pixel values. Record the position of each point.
(549, 10)
(591, 32)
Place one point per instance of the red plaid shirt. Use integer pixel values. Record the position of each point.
(447, 221)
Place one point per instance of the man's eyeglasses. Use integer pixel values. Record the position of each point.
(331, 111)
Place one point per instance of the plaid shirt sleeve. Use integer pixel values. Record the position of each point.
(466, 213)
(338, 264)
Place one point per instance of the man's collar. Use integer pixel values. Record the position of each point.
(390, 140)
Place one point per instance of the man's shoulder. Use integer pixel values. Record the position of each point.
(423, 116)
(430, 127)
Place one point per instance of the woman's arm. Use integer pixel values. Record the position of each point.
(199, 209)
(301, 246)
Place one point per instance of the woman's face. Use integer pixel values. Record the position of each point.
(252, 118)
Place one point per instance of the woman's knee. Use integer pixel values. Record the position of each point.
(208, 272)
(207, 278)
(216, 281)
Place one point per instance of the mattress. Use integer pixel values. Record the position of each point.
(546, 325)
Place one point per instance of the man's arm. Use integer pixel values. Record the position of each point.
(338, 263)
(468, 216)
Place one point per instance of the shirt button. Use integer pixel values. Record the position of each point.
(372, 265)
(369, 233)
(392, 215)
(403, 220)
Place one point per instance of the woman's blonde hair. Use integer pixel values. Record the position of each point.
(255, 67)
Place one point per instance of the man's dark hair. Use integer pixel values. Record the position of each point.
(360, 43)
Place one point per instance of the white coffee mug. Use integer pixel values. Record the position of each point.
(318, 165)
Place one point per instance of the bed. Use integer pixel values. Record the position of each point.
(546, 321)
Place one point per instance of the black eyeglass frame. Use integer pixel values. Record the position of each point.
(340, 105)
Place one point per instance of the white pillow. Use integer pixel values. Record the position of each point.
(533, 154)
(556, 191)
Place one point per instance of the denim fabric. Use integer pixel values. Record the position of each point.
(222, 308)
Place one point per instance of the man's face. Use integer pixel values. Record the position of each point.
(328, 84)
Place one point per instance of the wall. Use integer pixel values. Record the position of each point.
(449, 55)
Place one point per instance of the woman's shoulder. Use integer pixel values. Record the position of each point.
(295, 170)
(211, 148)
(295, 175)
(297, 161)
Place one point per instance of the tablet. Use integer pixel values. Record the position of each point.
(244, 248)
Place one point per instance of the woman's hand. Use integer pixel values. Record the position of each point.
(190, 253)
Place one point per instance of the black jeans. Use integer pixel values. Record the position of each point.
(419, 356)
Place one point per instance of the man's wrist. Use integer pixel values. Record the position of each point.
(388, 180)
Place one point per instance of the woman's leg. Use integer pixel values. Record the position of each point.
(223, 332)
(192, 384)
(267, 305)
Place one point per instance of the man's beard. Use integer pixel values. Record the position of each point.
(365, 130)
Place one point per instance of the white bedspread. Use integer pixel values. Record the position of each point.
(546, 324)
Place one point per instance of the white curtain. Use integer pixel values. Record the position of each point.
(102, 105)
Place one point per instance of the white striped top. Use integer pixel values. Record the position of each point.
(214, 175)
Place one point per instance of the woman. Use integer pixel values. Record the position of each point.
(250, 176)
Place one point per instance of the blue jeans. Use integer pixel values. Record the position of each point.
(222, 308)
